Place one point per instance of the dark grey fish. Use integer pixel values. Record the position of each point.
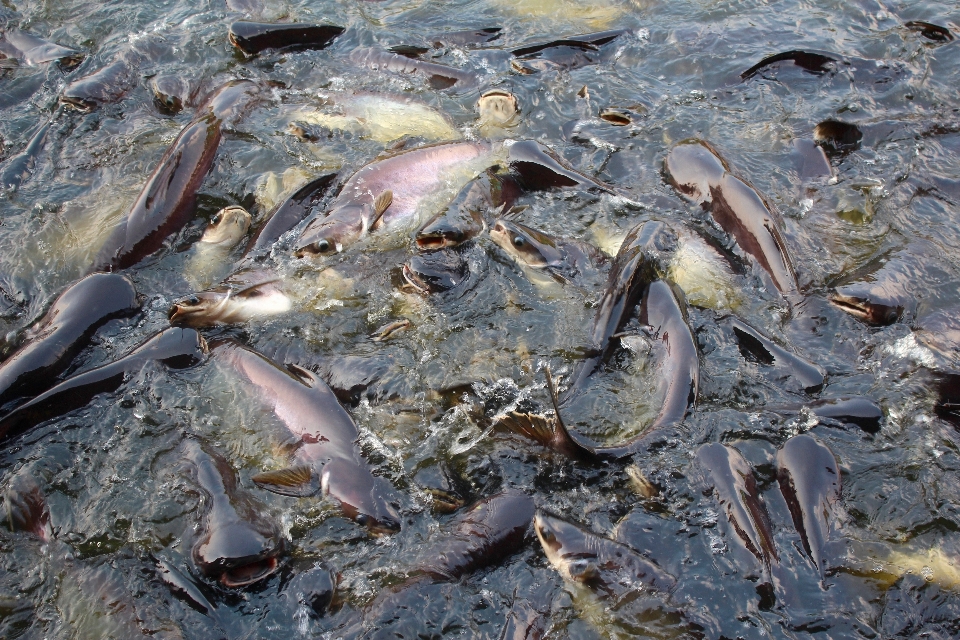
(287, 214)
(105, 86)
(440, 76)
(739, 497)
(237, 545)
(701, 175)
(810, 483)
(175, 348)
(64, 331)
(643, 257)
(255, 37)
(166, 202)
(565, 260)
(818, 62)
(567, 53)
(679, 376)
(883, 291)
(32, 50)
(462, 220)
(788, 367)
(470, 38)
(836, 137)
(17, 169)
(932, 32)
(608, 568)
(436, 271)
(858, 410)
(482, 535)
(327, 459)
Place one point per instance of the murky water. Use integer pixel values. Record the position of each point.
(120, 501)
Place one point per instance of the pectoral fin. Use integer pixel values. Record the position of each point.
(299, 481)
(380, 205)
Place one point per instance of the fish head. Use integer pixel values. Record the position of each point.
(444, 232)
(362, 497)
(227, 226)
(168, 93)
(330, 235)
(498, 108)
(239, 552)
(869, 304)
(567, 547)
(693, 168)
(525, 245)
(435, 272)
(199, 309)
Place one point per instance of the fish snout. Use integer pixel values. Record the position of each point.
(240, 553)
(186, 312)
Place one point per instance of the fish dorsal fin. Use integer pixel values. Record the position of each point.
(380, 205)
(299, 481)
(305, 376)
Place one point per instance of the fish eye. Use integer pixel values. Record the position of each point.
(193, 301)
(548, 537)
(216, 219)
(519, 241)
(323, 246)
(363, 519)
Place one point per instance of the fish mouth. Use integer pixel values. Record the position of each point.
(414, 280)
(864, 309)
(435, 241)
(247, 574)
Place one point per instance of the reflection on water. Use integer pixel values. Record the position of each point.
(880, 227)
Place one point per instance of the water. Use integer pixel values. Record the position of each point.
(118, 504)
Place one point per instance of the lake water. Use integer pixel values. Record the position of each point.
(120, 501)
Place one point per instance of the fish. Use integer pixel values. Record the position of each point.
(883, 291)
(176, 348)
(392, 192)
(380, 117)
(858, 410)
(787, 366)
(236, 545)
(564, 260)
(209, 256)
(810, 483)
(480, 536)
(439, 76)
(739, 497)
(327, 459)
(837, 138)
(32, 50)
(932, 32)
(436, 271)
(818, 62)
(499, 111)
(286, 215)
(256, 37)
(567, 53)
(643, 257)
(170, 93)
(66, 328)
(104, 86)
(470, 38)
(244, 296)
(606, 576)
(606, 567)
(698, 172)
(463, 219)
(399, 191)
(679, 380)
(166, 202)
(15, 171)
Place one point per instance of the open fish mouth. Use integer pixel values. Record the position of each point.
(250, 573)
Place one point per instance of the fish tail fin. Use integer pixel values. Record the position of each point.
(533, 426)
(299, 481)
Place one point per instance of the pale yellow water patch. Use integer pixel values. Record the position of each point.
(934, 565)
(272, 188)
(588, 15)
(704, 278)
